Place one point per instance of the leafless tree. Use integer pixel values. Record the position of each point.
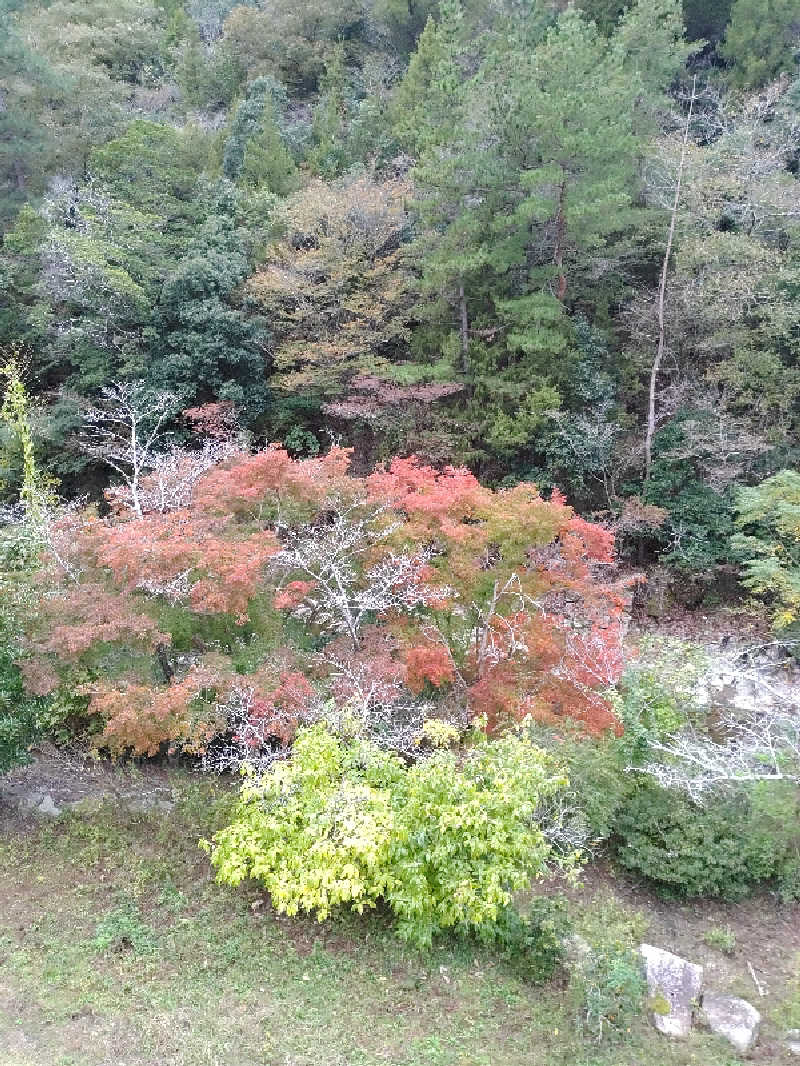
(340, 596)
(662, 291)
(173, 475)
(757, 742)
(764, 747)
(125, 430)
(730, 199)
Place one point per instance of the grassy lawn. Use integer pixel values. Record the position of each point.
(116, 947)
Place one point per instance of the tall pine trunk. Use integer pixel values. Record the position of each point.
(463, 328)
(561, 238)
(662, 292)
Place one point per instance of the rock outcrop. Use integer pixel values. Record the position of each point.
(735, 1019)
(674, 988)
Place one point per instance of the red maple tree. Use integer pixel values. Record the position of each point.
(439, 584)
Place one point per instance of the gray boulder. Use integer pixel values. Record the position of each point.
(674, 986)
(48, 807)
(793, 1042)
(735, 1019)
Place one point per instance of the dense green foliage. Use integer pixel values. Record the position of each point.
(20, 549)
(724, 843)
(533, 941)
(724, 848)
(769, 517)
(445, 845)
(351, 219)
(762, 40)
(18, 725)
(436, 229)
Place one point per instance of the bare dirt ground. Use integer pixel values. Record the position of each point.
(58, 780)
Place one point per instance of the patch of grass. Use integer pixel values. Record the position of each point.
(122, 929)
(721, 938)
(788, 1015)
(604, 921)
(117, 944)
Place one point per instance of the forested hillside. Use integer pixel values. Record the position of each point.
(554, 243)
(388, 389)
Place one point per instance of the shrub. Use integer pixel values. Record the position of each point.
(598, 786)
(123, 930)
(17, 716)
(723, 939)
(444, 842)
(722, 849)
(657, 694)
(606, 980)
(775, 807)
(466, 836)
(610, 989)
(703, 516)
(768, 545)
(314, 831)
(533, 942)
(654, 697)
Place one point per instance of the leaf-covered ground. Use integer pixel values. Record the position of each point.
(116, 947)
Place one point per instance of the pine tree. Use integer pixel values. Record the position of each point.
(763, 39)
(531, 175)
(329, 156)
(264, 96)
(267, 162)
(434, 119)
(24, 136)
(427, 102)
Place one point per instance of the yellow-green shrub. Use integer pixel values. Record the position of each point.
(444, 842)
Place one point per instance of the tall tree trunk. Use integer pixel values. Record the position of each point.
(163, 661)
(561, 239)
(19, 174)
(463, 328)
(662, 292)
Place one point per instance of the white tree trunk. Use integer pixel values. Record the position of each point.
(662, 291)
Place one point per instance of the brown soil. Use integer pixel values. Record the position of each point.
(70, 777)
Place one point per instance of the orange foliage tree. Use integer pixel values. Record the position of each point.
(411, 584)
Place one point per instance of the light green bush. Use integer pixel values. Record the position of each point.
(444, 842)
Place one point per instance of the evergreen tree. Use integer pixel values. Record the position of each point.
(650, 50)
(329, 156)
(433, 119)
(605, 13)
(532, 174)
(25, 140)
(264, 97)
(267, 162)
(763, 39)
(428, 100)
(154, 168)
(404, 18)
(210, 345)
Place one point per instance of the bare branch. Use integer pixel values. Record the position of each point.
(124, 430)
(756, 741)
